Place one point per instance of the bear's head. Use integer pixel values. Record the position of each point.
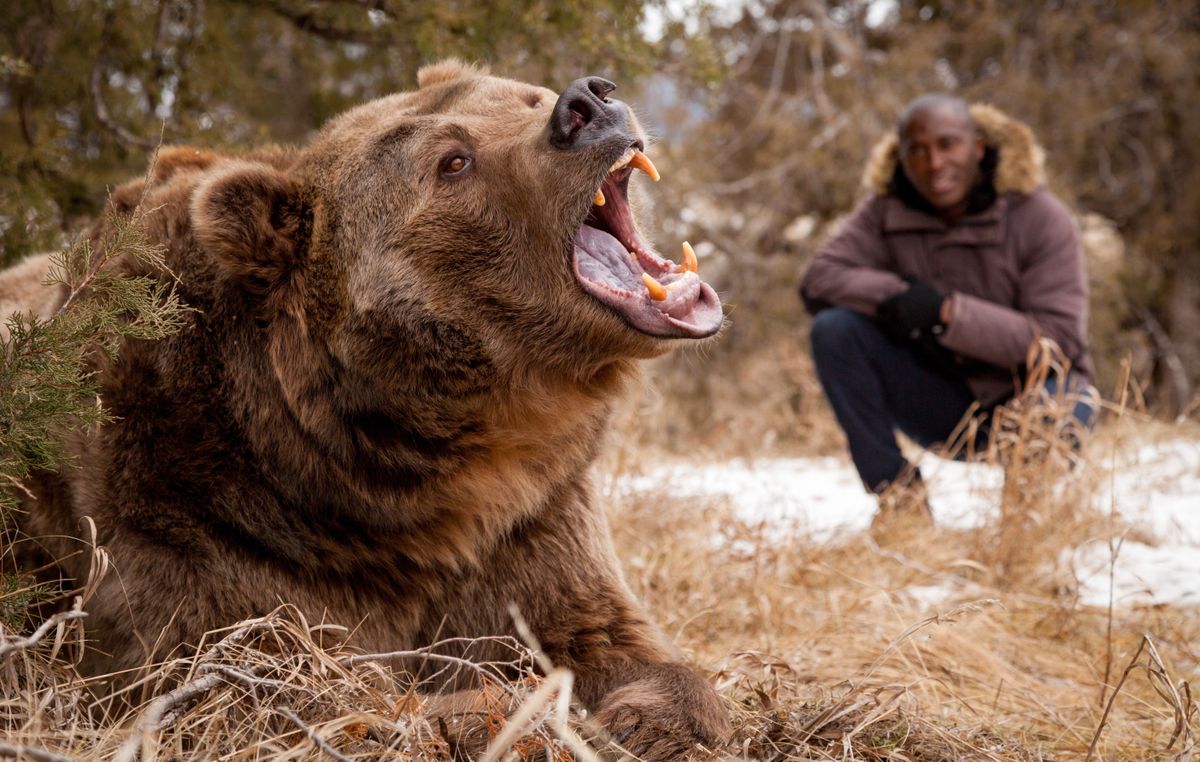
(495, 210)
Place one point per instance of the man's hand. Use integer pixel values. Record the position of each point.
(912, 314)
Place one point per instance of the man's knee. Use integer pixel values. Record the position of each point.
(1075, 394)
(836, 330)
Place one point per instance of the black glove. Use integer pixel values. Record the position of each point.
(912, 314)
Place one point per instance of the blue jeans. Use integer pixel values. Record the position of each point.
(877, 385)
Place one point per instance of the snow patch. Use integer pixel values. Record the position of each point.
(1156, 488)
(1143, 574)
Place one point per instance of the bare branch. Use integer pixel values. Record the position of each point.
(154, 719)
(253, 681)
(24, 643)
(313, 24)
(102, 114)
(312, 734)
(480, 669)
(21, 751)
(151, 721)
(19, 485)
(1181, 388)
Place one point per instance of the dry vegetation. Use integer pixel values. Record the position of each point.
(828, 650)
(823, 649)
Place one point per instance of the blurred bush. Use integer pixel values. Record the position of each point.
(761, 166)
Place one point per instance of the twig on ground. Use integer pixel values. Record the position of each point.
(1112, 699)
(312, 734)
(254, 681)
(854, 700)
(523, 720)
(19, 485)
(152, 720)
(480, 669)
(20, 751)
(54, 621)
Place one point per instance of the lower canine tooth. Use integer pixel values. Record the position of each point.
(689, 258)
(598, 199)
(657, 292)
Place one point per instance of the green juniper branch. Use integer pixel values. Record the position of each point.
(48, 382)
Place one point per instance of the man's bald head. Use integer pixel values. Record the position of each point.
(941, 103)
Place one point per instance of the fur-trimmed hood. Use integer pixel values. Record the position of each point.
(1021, 158)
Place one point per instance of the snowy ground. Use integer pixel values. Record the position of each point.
(1156, 487)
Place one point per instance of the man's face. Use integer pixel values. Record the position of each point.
(940, 152)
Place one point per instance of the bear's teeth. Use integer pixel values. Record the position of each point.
(598, 199)
(689, 258)
(642, 161)
(657, 292)
(638, 160)
(625, 159)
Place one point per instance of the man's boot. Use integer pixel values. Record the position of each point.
(903, 505)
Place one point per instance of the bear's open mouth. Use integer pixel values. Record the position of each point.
(616, 266)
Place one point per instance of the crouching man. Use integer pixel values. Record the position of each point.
(929, 296)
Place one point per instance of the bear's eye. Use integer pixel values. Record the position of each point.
(455, 165)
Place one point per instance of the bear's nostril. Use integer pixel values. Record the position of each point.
(580, 114)
(600, 87)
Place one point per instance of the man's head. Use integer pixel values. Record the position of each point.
(940, 150)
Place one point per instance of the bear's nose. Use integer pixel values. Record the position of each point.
(584, 114)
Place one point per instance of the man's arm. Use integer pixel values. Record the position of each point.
(1051, 293)
(850, 269)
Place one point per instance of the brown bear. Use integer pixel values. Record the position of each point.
(407, 341)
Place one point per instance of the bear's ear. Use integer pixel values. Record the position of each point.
(168, 162)
(446, 71)
(250, 217)
(172, 159)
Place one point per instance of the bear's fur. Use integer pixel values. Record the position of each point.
(385, 406)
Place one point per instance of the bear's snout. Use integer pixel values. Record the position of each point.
(584, 115)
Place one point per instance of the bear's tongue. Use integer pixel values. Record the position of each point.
(653, 295)
(614, 265)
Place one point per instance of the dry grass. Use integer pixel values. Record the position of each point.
(281, 688)
(822, 649)
(828, 650)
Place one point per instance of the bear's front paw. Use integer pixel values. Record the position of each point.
(671, 715)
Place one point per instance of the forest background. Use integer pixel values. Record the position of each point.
(764, 113)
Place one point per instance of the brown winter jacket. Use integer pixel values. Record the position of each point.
(1015, 269)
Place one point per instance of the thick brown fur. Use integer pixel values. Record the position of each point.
(384, 410)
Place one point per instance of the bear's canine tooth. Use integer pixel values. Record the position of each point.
(689, 258)
(625, 159)
(642, 161)
(598, 199)
(657, 292)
